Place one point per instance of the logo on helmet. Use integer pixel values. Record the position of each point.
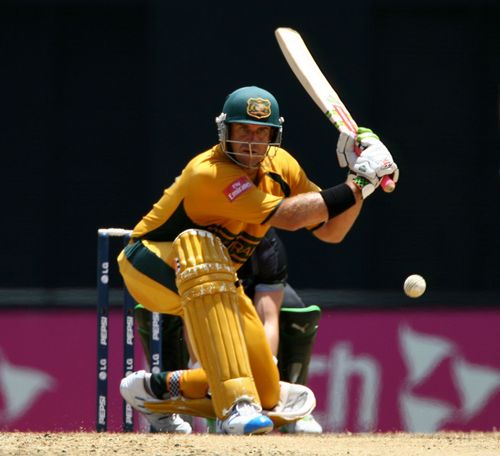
(260, 108)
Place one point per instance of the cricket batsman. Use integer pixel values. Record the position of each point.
(185, 253)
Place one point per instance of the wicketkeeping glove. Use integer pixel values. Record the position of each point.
(374, 161)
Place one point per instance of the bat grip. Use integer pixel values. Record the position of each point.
(387, 184)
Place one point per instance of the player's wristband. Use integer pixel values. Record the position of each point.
(338, 199)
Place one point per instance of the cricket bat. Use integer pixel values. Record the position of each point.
(319, 89)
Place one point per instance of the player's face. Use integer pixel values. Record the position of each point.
(250, 142)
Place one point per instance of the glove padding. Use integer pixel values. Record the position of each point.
(366, 157)
(366, 187)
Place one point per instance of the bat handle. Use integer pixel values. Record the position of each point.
(387, 184)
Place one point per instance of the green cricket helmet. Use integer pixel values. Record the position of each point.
(249, 105)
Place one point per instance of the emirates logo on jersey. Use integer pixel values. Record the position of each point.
(237, 188)
(260, 108)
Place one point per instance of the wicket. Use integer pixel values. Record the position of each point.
(103, 304)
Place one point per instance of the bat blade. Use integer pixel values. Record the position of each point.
(312, 79)
(317, 86)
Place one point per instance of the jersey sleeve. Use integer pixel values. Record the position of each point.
(299, 182)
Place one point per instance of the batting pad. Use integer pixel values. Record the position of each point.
(296, 402)
(202, 408)
(298, 329)
(206, 281)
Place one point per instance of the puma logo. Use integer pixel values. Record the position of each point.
(302, 329)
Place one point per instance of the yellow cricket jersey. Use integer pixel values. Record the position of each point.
(215, 194)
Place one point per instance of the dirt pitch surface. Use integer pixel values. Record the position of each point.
(80, 444)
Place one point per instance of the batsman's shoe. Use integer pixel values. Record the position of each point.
(136, 391)
(306, 425)
(244, 419)
(168, 423)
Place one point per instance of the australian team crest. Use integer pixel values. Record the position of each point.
(260, 108)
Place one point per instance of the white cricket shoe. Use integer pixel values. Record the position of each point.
(244, 419)
(134, 389)
(306, 425)
(169, 423)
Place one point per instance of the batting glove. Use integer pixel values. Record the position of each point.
(346, 149)
(366, 187)
(372, 162)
